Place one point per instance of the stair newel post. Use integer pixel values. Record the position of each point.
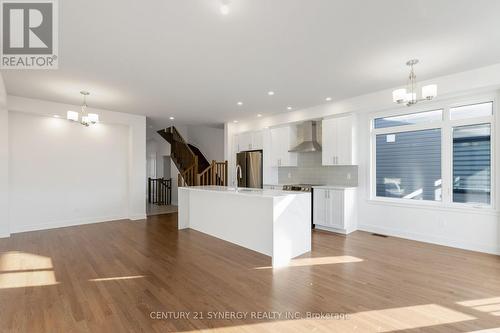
(213, 172)
(225, 173)
(195, 171)
(149, 189)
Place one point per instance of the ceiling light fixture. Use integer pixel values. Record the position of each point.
(408, 95)
(240, 103)
(271, 93)
(171, 118)
(224, 7)
(289, 108)
(259, 115)
(83, 117)
(328, 99)
(56, 116)
(235, 121)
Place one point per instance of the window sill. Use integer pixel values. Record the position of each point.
(437, 206)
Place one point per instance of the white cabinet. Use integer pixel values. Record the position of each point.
(282, 140)
(334, 209)
(269, 172)
(248, 141)
(337, 141)
(244, 141)
(257, 140)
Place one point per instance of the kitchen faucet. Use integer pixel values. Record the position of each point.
(238, 168)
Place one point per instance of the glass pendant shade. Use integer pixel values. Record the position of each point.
(411, 97)
(72, 115)
(429, 91)
(93, 118)
(398, 95)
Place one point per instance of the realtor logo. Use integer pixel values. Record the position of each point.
(29, 34)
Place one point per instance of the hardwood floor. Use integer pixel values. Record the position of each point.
(116, 276)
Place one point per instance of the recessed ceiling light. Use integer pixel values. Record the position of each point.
(259, 115)
(270, 93)
(224, 9)
(289, 108)
(235, 121)
(328, 99)
(56, 116)
(171, 118)
(240, 103)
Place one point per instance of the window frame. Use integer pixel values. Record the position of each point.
(446, 125)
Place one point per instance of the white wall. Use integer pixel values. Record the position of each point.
(66, 174)
(4, 163)
(463, 228)
(209, 140)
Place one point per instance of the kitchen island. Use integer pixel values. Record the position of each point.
(272, 222)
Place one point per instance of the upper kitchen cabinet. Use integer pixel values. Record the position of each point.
(337, 141)
(248, 141)
(282, 140)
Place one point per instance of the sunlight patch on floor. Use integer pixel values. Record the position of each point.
(21, 261)
(118, 278)
(21, 270)
(300, 262)
(27, 279)
(490, 305)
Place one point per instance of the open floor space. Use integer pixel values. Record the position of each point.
(145, 276)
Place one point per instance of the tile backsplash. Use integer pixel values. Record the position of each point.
(310, 171)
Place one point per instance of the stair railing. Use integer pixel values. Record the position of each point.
(215, 174)
(160, 191)
(188, 163)
(189, 176)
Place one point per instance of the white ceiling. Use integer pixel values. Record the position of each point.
(182, 58)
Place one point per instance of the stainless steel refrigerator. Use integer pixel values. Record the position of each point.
(251, 169)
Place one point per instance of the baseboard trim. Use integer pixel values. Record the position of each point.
(336, 230)
(430, 239)
(138, 217)
(69, 223)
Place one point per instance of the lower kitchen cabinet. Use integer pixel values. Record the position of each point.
(334, 209)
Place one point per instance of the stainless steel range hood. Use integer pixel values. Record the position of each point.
(310, 143)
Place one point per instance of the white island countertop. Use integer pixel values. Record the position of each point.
(275, 223)
(258, 192)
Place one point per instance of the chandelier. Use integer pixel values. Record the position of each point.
(83, 117)
(408, 95)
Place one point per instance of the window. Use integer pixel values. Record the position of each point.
(409, 119)
(409, 165)
(472, 164)
(472, 111)
(442, 156)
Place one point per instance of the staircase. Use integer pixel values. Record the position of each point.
(194, 168)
